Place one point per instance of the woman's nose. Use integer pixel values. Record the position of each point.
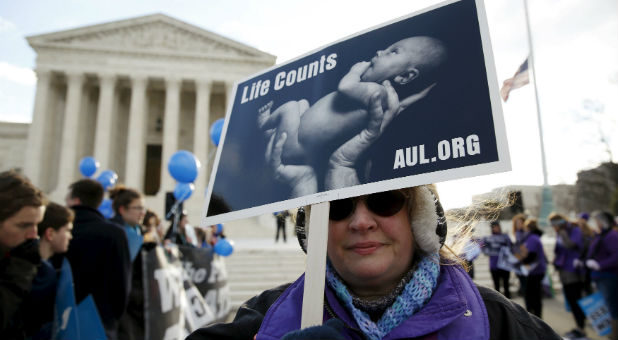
(362, 219)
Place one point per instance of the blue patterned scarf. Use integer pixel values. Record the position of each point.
(413, 297)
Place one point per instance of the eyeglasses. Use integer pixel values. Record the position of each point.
(384, 204)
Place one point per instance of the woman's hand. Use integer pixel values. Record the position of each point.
(301, 178)
(342, 162)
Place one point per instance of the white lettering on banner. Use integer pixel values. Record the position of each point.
(198, 314)
(169, 281)
(455, 148)
(190, 274)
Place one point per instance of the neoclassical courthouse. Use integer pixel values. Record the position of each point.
(130, 93)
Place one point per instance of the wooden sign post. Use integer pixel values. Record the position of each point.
(317, 238)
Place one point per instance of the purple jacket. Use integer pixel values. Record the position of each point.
(455, 311)
(604, 250)
(565, 254)
(534, 245)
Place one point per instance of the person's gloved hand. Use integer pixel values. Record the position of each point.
(28, 250)
(592, 264)
(330, 330)
(577, 263)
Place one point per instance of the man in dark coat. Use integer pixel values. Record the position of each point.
(99, 255)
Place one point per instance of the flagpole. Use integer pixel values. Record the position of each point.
(547, 201)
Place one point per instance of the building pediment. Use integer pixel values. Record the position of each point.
(156, 34)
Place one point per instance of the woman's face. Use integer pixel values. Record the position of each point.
(371, 253)
(134, 213)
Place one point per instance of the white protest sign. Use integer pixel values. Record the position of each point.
(296, 134)
(410, 102)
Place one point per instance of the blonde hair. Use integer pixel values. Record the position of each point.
(518, 217)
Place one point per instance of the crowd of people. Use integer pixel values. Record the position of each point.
(36, 236)
(364, 294)
(585, 257)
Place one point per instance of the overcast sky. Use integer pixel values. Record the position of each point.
(575, 48)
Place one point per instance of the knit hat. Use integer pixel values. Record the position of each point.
(426, 219)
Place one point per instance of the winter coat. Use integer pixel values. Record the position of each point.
(457, 310)
(569, 245)
(603, 249)
(16, 275)
(99, 257)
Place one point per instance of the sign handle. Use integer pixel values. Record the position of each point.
(315, 270)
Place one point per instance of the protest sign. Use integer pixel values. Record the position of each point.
(419, 92)
(184, 289)
(596, 311)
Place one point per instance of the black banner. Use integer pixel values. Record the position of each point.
(185, 288)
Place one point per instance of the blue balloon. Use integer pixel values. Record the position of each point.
(183, 191)
(106, 208)
(107, 179)
(219, 228)
(88, 166)
(215, 131)
(223, 247)
(183, 166)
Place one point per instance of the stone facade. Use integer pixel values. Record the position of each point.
(13, 139)
(597, 189)
(131, 93)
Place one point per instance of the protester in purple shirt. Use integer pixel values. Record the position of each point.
(492, 245)
(532, 257)
(602, 260)
(569, 247)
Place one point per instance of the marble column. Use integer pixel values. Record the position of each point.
(68, 147)
(229, 92)
(36, 134)
(201, 135)
(170, 131)
(137, 134)
(103, 131)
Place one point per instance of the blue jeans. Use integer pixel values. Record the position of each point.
(607, 288)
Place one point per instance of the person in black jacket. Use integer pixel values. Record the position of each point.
(21, 208)
(99, 255)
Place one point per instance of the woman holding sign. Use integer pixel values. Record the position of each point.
(388, 273)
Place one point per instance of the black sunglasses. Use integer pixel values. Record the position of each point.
(383, 204)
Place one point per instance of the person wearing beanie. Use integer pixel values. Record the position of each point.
(388, 275)
(602, 261)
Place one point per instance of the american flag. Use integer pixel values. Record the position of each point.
(519, 79)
